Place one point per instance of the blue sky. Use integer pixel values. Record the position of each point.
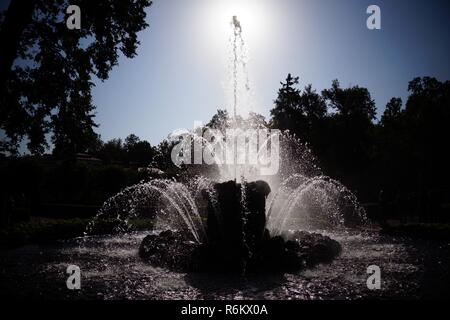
(179, 74)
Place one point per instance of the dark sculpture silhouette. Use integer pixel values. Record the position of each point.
(239, 228)
(237, 238)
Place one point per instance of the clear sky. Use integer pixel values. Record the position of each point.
(179, 74)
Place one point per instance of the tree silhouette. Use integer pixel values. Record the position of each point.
(351, 140)
(427, 115)
(112, 151)
(392, 113)
(350, 103)
(286, 109)
(303, 113)
(313, 105)
(47, 70)
(220, 121)
(138, 152)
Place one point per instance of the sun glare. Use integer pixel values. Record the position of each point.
(252, 14)
(258, 21)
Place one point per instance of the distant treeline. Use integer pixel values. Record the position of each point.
(77, 185)
(403, 154)
(406, 150)
(401, 160)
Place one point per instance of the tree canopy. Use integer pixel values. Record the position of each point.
(47, 71)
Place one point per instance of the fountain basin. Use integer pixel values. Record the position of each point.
(237, 240)
(288, 253)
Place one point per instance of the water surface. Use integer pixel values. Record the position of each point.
(112, 269)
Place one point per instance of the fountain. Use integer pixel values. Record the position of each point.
(228, 232)
(241, 223)
(234, 237)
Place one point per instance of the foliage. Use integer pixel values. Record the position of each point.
(403, 152)
(47, 70)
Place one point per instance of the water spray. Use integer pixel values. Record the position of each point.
(237, 33)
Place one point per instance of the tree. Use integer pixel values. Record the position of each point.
(256, 121)
(137, 151)
(393, 112)
(131, 141)
(297, 110)
(350, 141)
(220, 121)
(47, 70)
(96, 146)
(312, 104)
(113, 151)
(303, 113)
(427, 115)
(390, 155)
(312, 127)
(286, 105)
(163, 158)
(351, 103)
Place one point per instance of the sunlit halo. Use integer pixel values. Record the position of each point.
(252, 14)
(258, 20)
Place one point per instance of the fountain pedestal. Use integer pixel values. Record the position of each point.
(236, 223)
(237, 240)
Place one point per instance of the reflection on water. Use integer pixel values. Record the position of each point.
(112, 269)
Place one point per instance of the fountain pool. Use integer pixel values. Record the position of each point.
(112, 269)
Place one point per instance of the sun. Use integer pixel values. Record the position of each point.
(245, 11)
(252, 14)
(259, 21)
